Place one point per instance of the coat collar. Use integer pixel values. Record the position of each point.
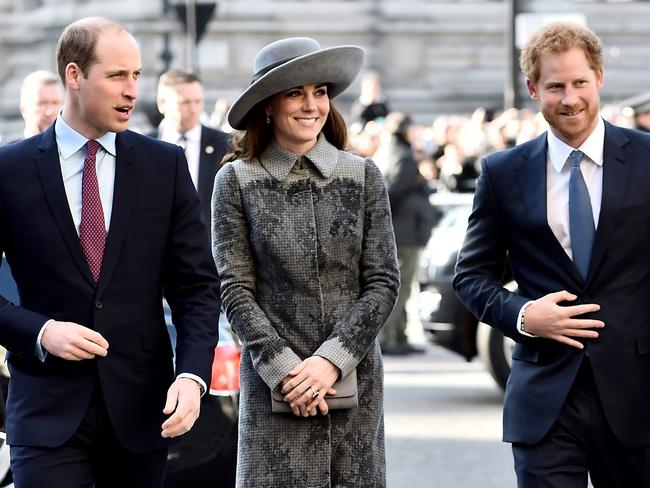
(278, 161)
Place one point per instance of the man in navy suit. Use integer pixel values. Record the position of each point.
(571, 211)
(181, 101)
(98, 224)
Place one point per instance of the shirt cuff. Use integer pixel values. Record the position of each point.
(41, 353)
(520, 320)
(191, 376)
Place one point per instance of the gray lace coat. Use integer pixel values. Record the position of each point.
(306, 255)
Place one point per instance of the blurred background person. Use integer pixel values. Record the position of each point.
(219, 115)
(371, 104)
(413, 219)
(41, 98)
(180, 100)
(638, 109)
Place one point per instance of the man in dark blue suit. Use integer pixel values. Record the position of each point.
(571, 211)
(98, 223)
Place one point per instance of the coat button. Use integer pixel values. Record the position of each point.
(99, 305)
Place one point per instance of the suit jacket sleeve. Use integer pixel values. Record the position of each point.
(190, 280)
(482, 260)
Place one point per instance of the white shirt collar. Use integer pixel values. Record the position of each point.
(169, 134)
(70, 141)
(558, 150)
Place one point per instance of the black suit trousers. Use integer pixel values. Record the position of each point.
(92, 457)
(579, 443)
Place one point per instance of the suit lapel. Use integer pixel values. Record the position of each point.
(123, 198)
(48, 165)
(616, 172)
(532, 180)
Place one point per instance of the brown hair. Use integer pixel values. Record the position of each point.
(77, 43)
(177, 77)
(251, 142)
(559, 37)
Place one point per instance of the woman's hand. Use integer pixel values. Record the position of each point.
(306, 385)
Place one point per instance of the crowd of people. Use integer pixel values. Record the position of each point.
(301, 230)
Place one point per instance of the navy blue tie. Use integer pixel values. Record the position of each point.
(581, 217)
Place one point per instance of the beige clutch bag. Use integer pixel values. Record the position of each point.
(346, 395)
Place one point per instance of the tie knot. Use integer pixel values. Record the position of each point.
(182, 141)
(575, 158)
(93, 146)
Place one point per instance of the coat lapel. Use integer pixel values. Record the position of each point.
(616, 172)
(123, 198)
(532, 180)
(48, 166)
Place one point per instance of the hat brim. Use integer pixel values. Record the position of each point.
(336, 66)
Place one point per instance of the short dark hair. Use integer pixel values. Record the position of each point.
(78, 41)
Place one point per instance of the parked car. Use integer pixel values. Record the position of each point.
(445, 319)
(207, 455)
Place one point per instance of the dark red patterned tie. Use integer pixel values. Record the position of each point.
(92, 230)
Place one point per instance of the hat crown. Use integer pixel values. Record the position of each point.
(281, 51)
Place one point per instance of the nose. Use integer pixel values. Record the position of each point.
(308, 102)
(131, 89)
(570, 97)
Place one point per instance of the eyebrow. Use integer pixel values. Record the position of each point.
(300, 87)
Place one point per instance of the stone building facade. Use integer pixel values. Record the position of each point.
(433, 56)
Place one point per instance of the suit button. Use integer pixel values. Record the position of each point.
(99, 305)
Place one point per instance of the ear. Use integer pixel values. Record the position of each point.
(160, 104)
(73, 76)
(600, 78)
(532, 90)
(268, 110)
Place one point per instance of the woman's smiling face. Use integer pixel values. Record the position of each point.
(298, 116)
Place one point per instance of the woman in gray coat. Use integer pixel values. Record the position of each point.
(304, 245)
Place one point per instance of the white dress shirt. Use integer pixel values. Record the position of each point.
(72, 152)
(192, 146)
(558, 173)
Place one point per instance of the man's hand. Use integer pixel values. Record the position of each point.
(73, 342)
(545, 318)
(184, 400)
(314, 374)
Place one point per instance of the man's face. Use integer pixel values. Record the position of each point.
(104, 100)
(40, 111)
(567, 93)
(182, 105)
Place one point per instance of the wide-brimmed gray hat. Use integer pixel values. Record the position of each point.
(293, 62)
